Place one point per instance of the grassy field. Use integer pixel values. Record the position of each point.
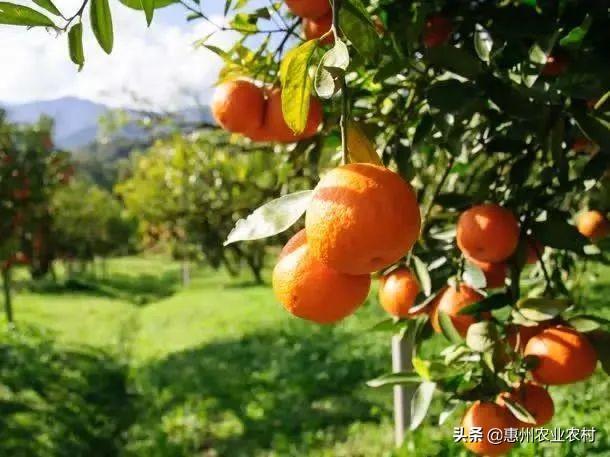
(132, 364)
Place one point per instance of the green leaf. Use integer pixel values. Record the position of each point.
(448, 328)
(596, 129)
(495, 301)
(392, 379)
(519, 411)
(474, 276)
(272, 218)
(421, 403)
(137, 4)
(75, 45)
(586, 323)
(542, 309)
(481, 336)
(389, 324)
(455, 60)
(451, 407)
(483, 43)
(101, 23)
(451, 95)
(575, 37)
(423, 275)
(12, 14)
(355, 23)
(297, 85)
(556, 233)
(245, 23)
(331, 70)
(48, 5)
(149, 10)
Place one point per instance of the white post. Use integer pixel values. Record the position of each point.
(186, 273)
(402, 349)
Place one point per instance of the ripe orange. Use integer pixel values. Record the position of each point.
(487, 416)
(534, 248)
(397, 292)
(487, 233)
(437, 31)
(316, 28)
(535, 399)
(298, 240)
(312, 9)
(495, 273)
(519, 335)
(238, 106)
(585, 145)
(362, 218)
(593, 225)
(451, 302)
(565, 356)
(275, 126)
(555, 65)
(310, 290)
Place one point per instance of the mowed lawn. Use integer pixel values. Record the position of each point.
(219, 369)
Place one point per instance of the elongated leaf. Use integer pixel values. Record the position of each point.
(297, 85)
(101, 23)
(387, 325)
(392, 379)
(149, 10)
(359, 148)
(575, 37)
(495, 301)
(448, 328)
(75, 44)
(331, 70)
(447, 412)
(519, 411)
(542, 309)
(272, 218)
(455, 60)
(421, 270)
(593, 127)
(48, 5)
(586, 323)
(482, 42)
(158, 4)
(356, 25)
(12, 14)
(421, 403)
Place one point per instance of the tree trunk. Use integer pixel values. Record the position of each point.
(402, 349)
(8, 304)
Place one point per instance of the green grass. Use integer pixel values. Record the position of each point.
(219, 368)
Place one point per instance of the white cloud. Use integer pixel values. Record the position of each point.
(158, 64)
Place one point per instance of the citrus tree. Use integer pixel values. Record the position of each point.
(472, 180)
(30, 171)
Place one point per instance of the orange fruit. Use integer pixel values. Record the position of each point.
(362, 218)
(316, 28)
(495, 273)
(310, 290)
(312, 9)
(487, 416)
(437, 31)
(555, 65)
(451, 302)
(519, 335)
(535, 399)
(565, 356)
(275, 126)
(297, 240)
(534, 248)
(593, 225)
(238, 106)
(487, 233)
(584, 145)
(398, 291)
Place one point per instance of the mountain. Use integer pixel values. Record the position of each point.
(76, 120)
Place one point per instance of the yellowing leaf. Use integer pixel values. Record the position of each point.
(359, 147)
(297, 85)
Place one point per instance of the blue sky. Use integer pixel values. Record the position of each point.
(159, 65)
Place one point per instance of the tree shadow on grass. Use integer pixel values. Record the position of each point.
(277, 390)
(137, 289)
(58, 402)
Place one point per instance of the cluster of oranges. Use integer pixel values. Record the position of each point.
(242, 107)
(317, 18)
(563, 356)
(362, 218)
